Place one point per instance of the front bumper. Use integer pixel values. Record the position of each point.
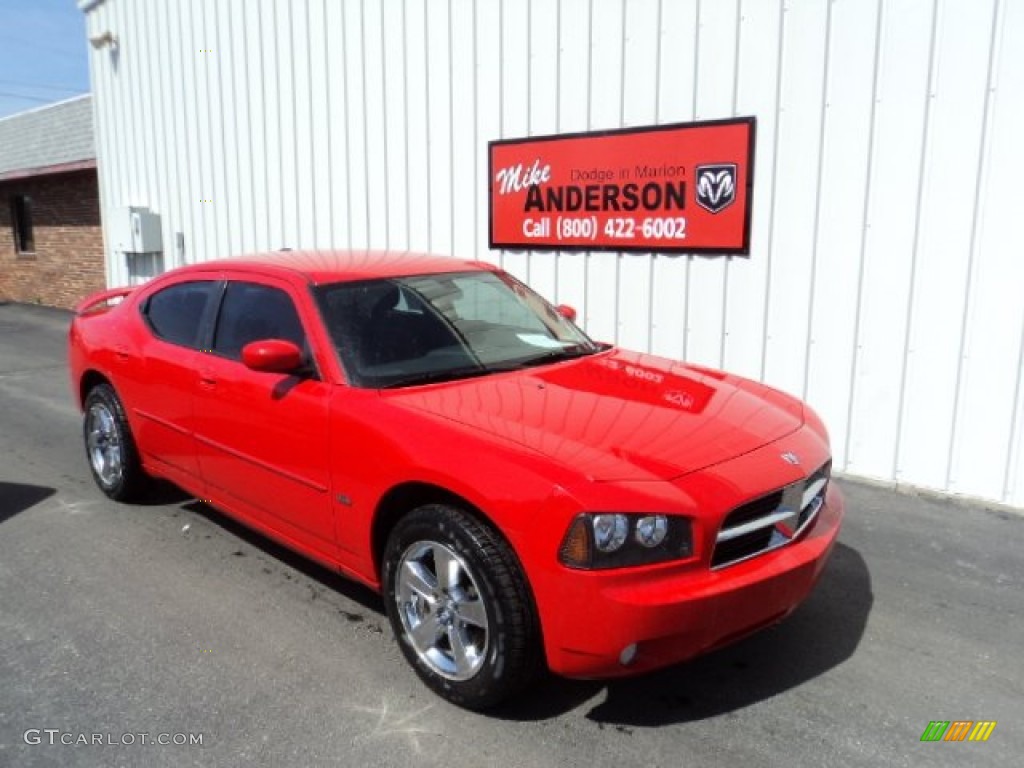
(673, 614)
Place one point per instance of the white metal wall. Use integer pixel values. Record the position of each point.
(885, 277)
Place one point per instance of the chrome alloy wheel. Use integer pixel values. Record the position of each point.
(442, 610)
(104, 444)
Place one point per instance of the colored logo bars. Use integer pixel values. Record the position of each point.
(958, 730)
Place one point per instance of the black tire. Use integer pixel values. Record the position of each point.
(509, 656)
(104, 412)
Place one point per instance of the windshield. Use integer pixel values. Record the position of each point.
(404, 331)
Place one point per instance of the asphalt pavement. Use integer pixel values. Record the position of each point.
(128, 624)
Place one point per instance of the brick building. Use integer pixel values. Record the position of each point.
(51, 241)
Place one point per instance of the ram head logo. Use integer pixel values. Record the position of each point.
(716, 186)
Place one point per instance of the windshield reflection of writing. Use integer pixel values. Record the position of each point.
(649, 384)
(680, 399)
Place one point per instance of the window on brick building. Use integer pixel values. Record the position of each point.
(21, 220)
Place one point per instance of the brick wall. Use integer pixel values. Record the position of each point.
(68, 260)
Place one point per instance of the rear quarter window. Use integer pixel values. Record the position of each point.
(175, 314)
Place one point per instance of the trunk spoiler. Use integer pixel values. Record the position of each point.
(103, 297)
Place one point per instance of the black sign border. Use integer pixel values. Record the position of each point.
(744, 250)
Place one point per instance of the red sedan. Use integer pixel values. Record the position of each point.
(521, 495)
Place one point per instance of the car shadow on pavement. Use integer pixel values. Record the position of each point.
(820, 635)
(161, 492)
(17, 497)
(327, 578)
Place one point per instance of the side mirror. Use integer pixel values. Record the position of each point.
(272, 356)
(569, 313)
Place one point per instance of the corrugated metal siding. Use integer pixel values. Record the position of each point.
(884, 282)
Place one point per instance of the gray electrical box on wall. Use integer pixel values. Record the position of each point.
(135, 230)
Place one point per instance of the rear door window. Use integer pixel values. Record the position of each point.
(176, 313)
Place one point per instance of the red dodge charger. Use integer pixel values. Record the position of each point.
(521, 495)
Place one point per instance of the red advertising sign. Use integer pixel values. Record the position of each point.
(682, 188)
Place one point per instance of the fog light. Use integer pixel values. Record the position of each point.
(628, 655)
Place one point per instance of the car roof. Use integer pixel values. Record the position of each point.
(330, 266)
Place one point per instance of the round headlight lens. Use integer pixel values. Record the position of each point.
(610, 532)
(651, 530)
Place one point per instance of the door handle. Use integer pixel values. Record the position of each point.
(121, 353)
(207, 379)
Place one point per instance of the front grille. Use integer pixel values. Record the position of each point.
(771, 521)
(742, 547)
(754, 510)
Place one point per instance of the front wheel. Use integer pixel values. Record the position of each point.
(460, 607)
(109, 446)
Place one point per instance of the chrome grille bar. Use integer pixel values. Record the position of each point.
(771, 521)
(727, 534)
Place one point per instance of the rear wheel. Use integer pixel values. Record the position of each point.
(460, 607)
(109, 446)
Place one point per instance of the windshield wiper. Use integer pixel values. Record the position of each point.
(432, 377)
(551, 356)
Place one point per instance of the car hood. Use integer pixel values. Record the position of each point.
(617, 415)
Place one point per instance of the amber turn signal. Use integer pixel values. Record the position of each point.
(575, 549)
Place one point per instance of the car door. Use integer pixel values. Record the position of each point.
(156, 374)
(263, 437)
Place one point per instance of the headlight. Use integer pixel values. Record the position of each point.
(651, 530)
(618, 539)
(610, 532)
